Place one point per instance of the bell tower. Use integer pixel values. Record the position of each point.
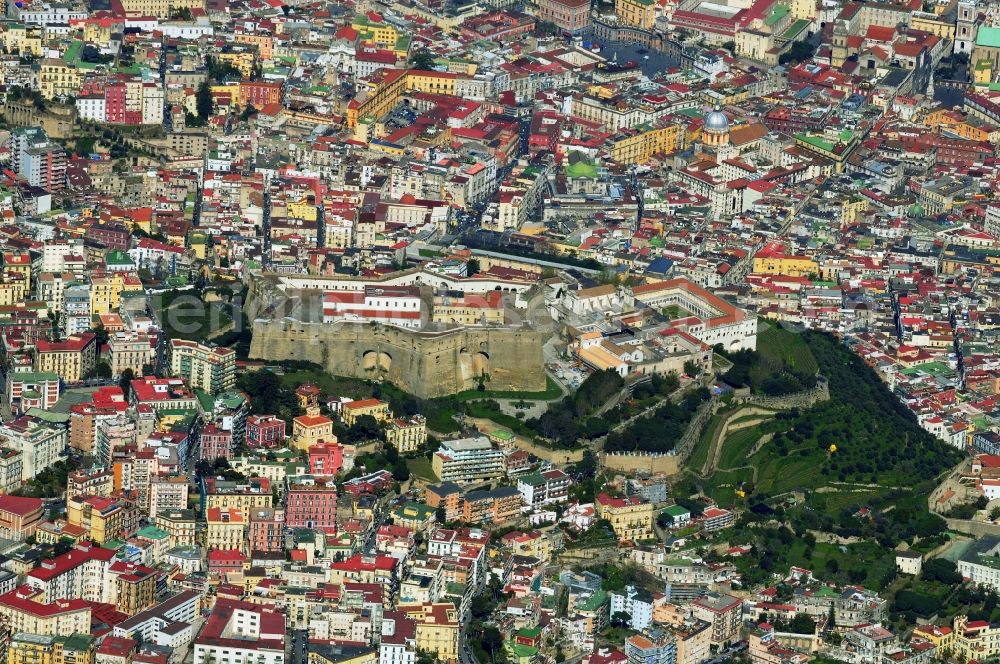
(838, 43)
(966, 26)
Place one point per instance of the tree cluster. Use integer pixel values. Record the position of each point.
(17, 92)
(584, 489)
(386, 459)
(878, 438)
(485, 640)
(660, 431)
(268, 395)
(49, 482)
(800, 50)
(941, 570)
(765, 375)
(422, 59)
(916, 604)
(221, 70)
(204, 102)
(90, 53)
(801, 623)
(569, 420)
(218, 467)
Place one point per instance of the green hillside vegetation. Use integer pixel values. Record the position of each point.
(185, 315)
(699, 455)
(883, 461)
(585, 415)
(565, 421)
(878, 440)
(569, 420)
(439, 412)
(724, 483)
(738, 445)
(776, 345)
(661, 431)
(782, 364)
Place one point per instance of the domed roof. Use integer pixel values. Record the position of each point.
(716, 121)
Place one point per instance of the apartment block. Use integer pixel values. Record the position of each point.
(541, 488)
(72, 358)
(376, 408)
(225, 529)
(209, 368)
(130, 351)
(406, 434)
(28, 648)
(265, 431)
(40, 442)
(468, 460)
(631, 518)
(311, 502)
(19, 517)
(723, 612)
(241, 633)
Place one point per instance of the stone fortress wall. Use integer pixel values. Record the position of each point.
(426, 364)
(287, 325)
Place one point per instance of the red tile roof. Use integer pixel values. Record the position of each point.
(82, 554)
(362, 403)
(610, 501)
(356, 564)
(19, 506)
(271, 626)
(117, 646)
(22, 600)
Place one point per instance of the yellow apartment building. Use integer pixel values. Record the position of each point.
(263, 43)
(433, 82)
(13, 287)
(56, 78)
(302, 209)
(631, 518)
(640, 146)
(72, 358)
(159, 8)
(933, 24)
(375, 407)
(469, 309)
(772, 261)
(245, 495)
(407, 434)
(636, 13)
(27, 648)
(46, 619)
(437, 629)
(308, 430)
(102, 518)
(17, 262)
(376, 95)
(136, 589)
(226, 529)
(22, 40)
(242, 58)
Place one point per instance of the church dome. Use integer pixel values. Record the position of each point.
(716, 121)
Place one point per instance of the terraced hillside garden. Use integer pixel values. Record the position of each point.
(782, 364)
(854, 471)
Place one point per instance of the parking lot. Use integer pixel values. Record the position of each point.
(650, 62)
(564, 371)
(400, 117)
(567, 373)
